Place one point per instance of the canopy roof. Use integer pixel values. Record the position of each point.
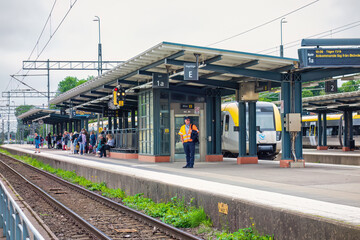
(218, 68)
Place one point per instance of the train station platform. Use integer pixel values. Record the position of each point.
(320, 201)
(330, 156)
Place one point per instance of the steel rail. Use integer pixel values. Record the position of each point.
(93, 231)
(165, 228)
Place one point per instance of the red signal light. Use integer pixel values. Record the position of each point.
(115, 89)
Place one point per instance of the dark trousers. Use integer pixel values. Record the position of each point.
(103, 150)
(189, 148)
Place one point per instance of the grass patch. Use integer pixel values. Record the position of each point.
(176, 212)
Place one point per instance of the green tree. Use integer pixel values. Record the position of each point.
(307, 93)
(22, 109)
(71, 82)
(67, 84)
(349, 86)
(18, 111)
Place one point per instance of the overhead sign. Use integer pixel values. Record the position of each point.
(329, 57)
(186, 106)
(79, 113)
(331, 86)
(160, 80)
(191, 72)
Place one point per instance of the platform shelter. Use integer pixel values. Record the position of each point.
(154, 107)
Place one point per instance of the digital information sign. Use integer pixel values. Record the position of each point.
(329, 57)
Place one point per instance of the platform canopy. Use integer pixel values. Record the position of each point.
(333, 102)
(48, 116)
(218, 69)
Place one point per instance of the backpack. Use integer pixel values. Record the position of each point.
(194, 135)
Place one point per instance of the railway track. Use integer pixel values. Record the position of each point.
(80, 213)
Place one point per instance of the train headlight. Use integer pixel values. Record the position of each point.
(278, 136)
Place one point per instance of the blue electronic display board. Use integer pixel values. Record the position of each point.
(329, 57)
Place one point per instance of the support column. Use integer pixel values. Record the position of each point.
(218, 125)
(325, 147)
(110, 124)
(54, 129)
(81, 124)
(242, 133)
(209, 125)
(121, 120)
(346, 145)
(319, 131)
(98, 122)
(70, 126)
(213, 127)
(298, 109)
(126, 118)
(351, 132)
(286, 141)
(252, 129)
(115, 123)
(133, 123)
(61, 128)
(285, 101)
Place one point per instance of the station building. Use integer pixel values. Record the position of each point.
(147, 125)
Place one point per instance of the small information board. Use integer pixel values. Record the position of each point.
(331, 86)
(191, 72)
(160, 80)
(329, 57)
(186, 106)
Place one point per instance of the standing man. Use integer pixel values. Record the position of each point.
(189, 145)
(49, 140)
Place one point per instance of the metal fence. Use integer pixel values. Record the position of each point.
(13, 221)
(127, 139)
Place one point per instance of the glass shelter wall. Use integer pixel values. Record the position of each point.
(146, 123)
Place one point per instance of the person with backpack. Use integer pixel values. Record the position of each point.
(82, 141)
(188, 143)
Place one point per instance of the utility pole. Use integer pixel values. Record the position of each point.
(9, 119)
(3, 131)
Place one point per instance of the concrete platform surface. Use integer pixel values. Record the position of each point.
(324, 190)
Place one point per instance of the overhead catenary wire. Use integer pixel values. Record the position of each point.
(320, 35)
(51, 36)
(263, 24)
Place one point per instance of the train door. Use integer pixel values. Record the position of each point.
(312, 134)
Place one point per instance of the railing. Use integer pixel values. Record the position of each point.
(13, 221)
(127, 139)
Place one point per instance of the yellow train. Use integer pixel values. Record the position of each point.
(268, 123)
(334, 127)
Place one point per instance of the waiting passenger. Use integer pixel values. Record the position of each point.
(110, 144)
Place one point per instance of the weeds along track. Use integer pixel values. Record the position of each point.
(72, 212)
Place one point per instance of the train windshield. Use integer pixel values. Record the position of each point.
(265, 118)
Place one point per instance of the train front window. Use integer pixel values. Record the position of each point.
(265, 120)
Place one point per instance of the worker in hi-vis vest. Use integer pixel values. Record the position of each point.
(189, 145)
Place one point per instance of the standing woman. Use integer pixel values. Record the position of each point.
(37, 143)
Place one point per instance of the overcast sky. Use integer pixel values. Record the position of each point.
(131, 27)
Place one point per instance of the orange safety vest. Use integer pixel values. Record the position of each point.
(187, 135)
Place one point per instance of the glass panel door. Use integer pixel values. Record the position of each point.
(179, 149)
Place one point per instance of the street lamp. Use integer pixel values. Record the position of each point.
(281, 45)
(99, 49)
